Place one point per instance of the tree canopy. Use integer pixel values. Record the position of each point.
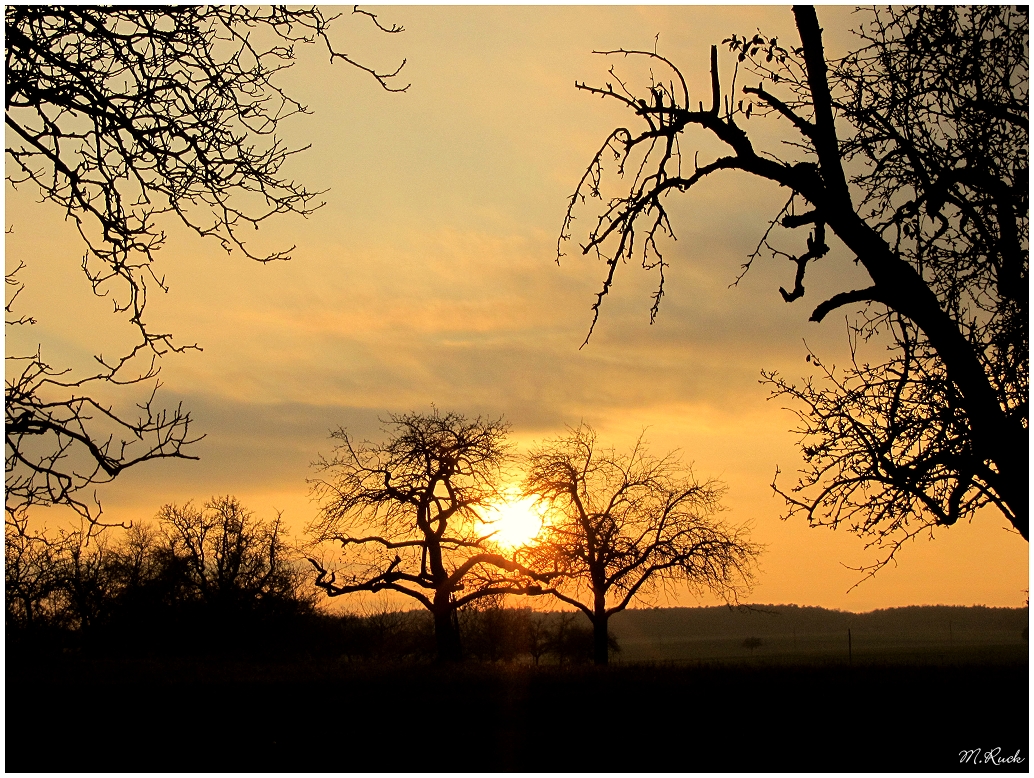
(912, 151)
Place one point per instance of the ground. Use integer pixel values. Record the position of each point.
(893, 712)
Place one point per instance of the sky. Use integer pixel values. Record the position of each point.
(430, 277)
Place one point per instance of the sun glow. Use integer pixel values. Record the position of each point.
(515, 522)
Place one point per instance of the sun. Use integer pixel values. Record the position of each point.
(515, 521)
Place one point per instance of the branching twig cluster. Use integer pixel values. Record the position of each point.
(912, 152)
(121, 117)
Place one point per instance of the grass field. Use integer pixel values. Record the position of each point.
(818, 649)
(886, 711)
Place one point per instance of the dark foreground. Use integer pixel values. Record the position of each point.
(215, 715)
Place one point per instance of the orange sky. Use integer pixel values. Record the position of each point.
(429, 277)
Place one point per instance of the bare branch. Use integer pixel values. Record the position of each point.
(936, 211)
(123, 117)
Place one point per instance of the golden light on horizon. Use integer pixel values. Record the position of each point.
(515, 521)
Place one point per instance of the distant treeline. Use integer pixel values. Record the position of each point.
(918, 621)
(793, 633)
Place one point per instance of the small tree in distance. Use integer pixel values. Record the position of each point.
(406, 514)
(751, 643)
(622, 525)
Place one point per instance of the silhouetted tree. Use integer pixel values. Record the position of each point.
(30, 578)
(491, 632)
(569, 641)
(230, 556)
(537, 638)
(86, 579)
(622, 525)
(913, 152)
(406, 514)
(120, 116)
(751, 643)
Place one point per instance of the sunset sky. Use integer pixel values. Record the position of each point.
(430, 277)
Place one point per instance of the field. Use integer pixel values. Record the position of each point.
(794, 634)
(904, 704)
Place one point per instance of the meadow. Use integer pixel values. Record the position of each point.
(907, 704)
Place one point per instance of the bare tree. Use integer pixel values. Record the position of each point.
(913, 152)
(407, 514)
(623, 525)
(122, 116)
(31, 578)
(231, 556)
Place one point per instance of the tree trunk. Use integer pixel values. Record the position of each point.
(600, 643)
(447, 637)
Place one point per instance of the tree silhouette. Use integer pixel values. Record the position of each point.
(912, 151)
(30, 579)
(230, 557)
(623, 525)
(200, 578)
(406, 514)
(121, 116)
(751, 643)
